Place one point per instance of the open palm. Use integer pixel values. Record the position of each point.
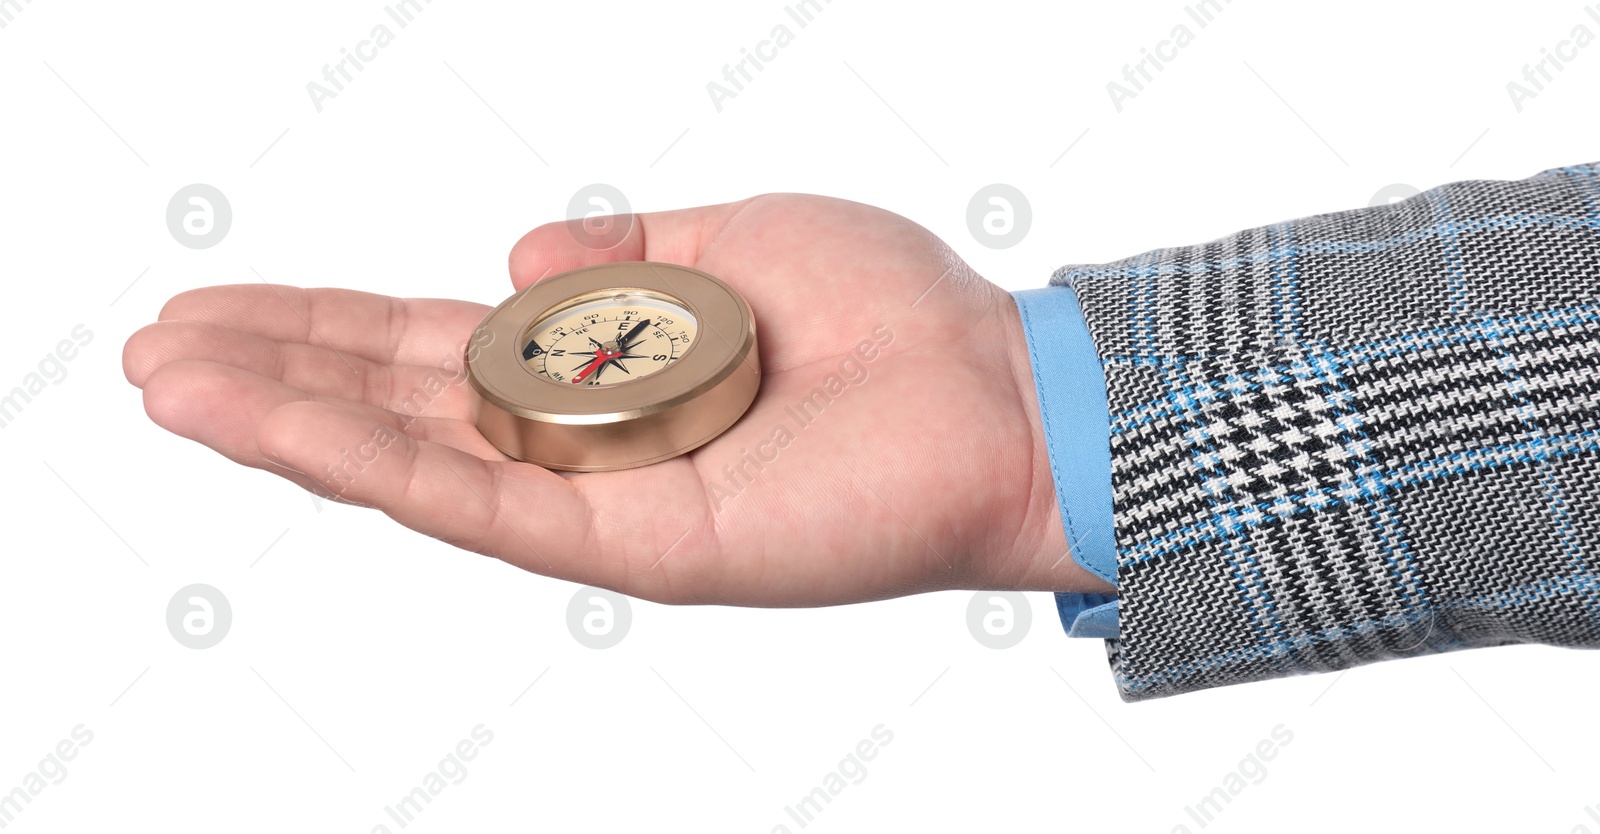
(921, 467)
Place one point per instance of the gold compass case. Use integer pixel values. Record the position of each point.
(699, 374)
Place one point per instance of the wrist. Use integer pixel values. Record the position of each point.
(1040, 557)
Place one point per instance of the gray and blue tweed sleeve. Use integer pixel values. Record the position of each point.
(1357, 436)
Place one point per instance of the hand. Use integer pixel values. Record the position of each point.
(923, 468)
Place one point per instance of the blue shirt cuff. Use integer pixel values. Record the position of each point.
(1071, 387)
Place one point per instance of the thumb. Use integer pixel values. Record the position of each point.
(669, 236)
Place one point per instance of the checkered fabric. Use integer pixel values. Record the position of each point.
(1356, 436)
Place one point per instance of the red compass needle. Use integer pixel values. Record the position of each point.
(600, 359)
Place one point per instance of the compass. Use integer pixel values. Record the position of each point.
(613, 366)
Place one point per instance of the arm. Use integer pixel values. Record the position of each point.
(1353, 437)
(894, 448)
(899, 444)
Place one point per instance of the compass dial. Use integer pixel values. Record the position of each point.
(610, 340)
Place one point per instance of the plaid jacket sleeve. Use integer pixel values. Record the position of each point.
(1356, 436)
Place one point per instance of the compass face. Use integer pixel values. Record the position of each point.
(609, 340)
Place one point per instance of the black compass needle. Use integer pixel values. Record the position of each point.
(627, 341)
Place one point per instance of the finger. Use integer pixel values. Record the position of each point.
(221, 406)
(383, 329)
(183, 400)
(643, 532)
(440, 491)
(669, 236)
(406, 389)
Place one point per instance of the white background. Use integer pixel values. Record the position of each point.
(360, 652)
